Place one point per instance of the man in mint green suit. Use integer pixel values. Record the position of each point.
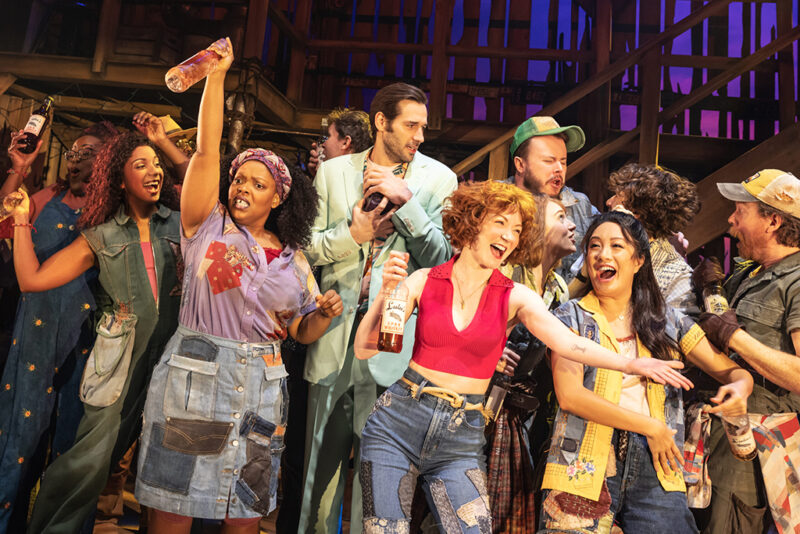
(351, 243)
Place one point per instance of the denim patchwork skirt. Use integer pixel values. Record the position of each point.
(213, 428)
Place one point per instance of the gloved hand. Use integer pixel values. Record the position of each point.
(719, 328)
(708, 272)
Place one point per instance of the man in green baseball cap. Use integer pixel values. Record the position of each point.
(539, 154)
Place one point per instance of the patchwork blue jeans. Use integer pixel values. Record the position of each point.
(639, 504)
(409, 439)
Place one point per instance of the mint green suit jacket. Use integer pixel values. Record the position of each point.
(418, 230)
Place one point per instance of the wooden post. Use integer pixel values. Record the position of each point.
(256, 28)
(498, 162)
(650, 82)
(786, 104)
(437, 107)
(297, 64)
(107, 30)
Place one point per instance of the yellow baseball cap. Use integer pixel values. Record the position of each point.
(775, 188)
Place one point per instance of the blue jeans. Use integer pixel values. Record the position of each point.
(423, 438)
(638, 502)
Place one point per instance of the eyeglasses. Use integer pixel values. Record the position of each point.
(322, 139)
(76, 156)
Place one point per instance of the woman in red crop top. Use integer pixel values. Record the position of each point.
(429, 424)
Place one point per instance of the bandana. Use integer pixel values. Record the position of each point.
(273, 162)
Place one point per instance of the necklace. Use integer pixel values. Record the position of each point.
(461, 296)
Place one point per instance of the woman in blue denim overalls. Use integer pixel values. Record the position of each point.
(428, 426)
(130, 233)
(615, 454)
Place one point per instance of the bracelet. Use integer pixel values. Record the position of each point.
(25, 225)
(23, 174)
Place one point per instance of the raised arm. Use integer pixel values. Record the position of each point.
(394, 272)
(64, 266)
(20, 163)
(201, 184)
(151, 127)
(528, 307)
(574, 398)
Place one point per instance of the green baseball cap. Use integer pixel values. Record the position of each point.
(537, 126)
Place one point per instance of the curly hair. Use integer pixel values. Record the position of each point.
(788, 234)
(471, 204)
(291, 221)
(104, 190)
(353, 123)
(648, 309)
(664, 202)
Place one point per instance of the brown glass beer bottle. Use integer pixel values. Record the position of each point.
(36, 125)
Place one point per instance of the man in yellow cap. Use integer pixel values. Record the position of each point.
(764, 296)
(539, 153)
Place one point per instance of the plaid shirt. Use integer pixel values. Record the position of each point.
(674, 277)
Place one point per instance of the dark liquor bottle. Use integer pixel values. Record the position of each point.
(35, 126)
(393, 319)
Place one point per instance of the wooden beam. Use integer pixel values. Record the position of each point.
(710, 62)
(285, 25)
(786, 105)
(256, 27)
(602, 77)
(439, 68)
(98, 106)
(271, 102)
(606, 148)
(106, 32)
(498, 162)
(297, 62)
(778, 152)
(650, 80)
(6, 81)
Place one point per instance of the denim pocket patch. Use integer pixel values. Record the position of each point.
(196, 437)
(191, 388)
(165, 468)
(257, 484)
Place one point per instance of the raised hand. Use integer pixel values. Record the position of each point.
(150, 126)
(224, 50)
(378, 179)
(20, 162)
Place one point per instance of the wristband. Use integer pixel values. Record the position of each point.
(25, 225)
(581, 278)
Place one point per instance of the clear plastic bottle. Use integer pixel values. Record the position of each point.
(35, 126)
(740, 437)
(9, 204)
(181, 77)
(393, 319)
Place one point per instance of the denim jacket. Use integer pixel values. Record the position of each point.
(124, 279)
(579, 449)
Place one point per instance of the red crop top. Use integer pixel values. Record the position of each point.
(474, 351)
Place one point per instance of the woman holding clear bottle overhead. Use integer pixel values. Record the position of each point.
(216, 407)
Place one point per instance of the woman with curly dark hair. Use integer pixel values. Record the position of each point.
(131, 235)
(215, 414)
(665, 204)
(430, 423)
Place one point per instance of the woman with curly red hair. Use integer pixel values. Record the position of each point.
(430, 423)
(130, 233)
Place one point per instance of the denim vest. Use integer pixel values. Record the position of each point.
(579, 450)
(124, 279)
